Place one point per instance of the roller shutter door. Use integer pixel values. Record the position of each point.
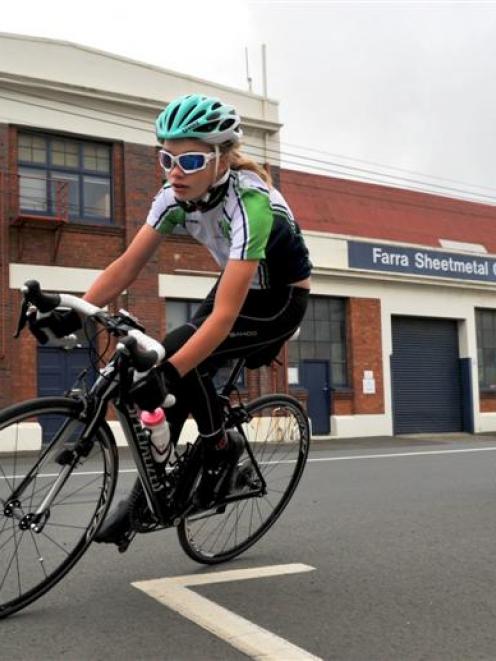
(426, 376)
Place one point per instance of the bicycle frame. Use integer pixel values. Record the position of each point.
(94, 405)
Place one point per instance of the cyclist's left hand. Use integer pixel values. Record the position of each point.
(60, 322)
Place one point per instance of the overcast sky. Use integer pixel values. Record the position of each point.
(405, 84)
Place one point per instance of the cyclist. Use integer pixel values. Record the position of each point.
(226, 201)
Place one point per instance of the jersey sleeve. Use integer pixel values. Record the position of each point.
(251, 225)
(165, 213)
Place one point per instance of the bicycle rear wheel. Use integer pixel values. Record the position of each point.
(279, 436)
(50, 509)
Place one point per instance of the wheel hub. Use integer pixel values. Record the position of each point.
(34, 522)
(9, 508)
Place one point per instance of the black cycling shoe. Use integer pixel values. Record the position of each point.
(219, 465)
(116, 528)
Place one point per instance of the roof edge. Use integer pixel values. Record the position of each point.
(140, 63)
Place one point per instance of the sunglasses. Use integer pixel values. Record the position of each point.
(191, 161)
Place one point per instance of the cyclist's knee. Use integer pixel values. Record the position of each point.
(176, 338)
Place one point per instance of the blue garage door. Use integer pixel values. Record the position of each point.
(426, 376)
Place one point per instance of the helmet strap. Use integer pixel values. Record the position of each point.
(216, 167)
(207, 198)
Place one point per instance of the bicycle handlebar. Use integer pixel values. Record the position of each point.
(144, 351)
(143, 359)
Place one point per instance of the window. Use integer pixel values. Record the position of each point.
(178, 312)
(322, 337)
(59, 175)
(486, 348)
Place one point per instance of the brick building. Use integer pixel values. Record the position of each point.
(401, 331)
(416, 274)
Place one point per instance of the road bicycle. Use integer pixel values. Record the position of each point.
(59, 464)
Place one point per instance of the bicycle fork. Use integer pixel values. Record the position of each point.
(67, 458)
(37, 520)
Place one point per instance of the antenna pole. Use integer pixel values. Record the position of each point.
(264, 69)
(248, 77)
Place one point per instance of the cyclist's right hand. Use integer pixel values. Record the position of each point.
(152, 391)
(58, 323)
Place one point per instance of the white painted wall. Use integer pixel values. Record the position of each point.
(71, 64)
(53, 278)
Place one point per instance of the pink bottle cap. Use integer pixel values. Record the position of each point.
(152, 418)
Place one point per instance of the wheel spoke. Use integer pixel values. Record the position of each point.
(18, 544)
(85, 486)
(54, 541)
(4, 477)
(14, 555)
(53, 524)
(7, 540)
(40, 556)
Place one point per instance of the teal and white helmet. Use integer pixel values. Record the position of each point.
(200, 117)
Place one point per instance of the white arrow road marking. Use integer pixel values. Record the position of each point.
(242, 634)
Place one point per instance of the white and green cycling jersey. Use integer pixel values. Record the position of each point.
(248, 221)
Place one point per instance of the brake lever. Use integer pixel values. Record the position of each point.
(23, 318)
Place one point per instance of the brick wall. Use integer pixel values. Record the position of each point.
(4, 146)
(365, 352)
(487, 403)
(354, 208)
(4, 310)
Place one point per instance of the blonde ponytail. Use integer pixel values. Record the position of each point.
(239, 161)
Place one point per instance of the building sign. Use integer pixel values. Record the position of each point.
(416, 261)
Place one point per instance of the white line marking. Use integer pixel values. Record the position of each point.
(311, 460)
(401, 454)
(242, 634)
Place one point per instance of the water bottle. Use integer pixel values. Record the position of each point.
(156, 422)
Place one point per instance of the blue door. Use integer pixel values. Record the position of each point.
(57, 372)
(315, 379)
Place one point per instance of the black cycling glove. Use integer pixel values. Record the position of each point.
(150, 392)
(59, 322)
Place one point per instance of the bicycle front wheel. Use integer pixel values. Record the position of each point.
(279, 437)
(51, 502)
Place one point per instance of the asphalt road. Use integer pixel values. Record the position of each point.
(401, 534)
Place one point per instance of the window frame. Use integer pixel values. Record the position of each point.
(48, 167)
(483, 379)
(295, 345)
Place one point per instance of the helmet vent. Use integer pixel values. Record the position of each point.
(172, 117)
(196, 116)
(227, 123)
(206, 128)
(186, 116)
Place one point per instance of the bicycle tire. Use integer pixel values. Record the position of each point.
(274, 445)
(76, 511)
